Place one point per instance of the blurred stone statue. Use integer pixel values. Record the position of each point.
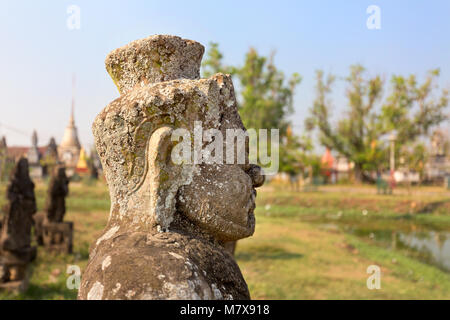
(50, 158)
(15, 239)
(18, 219)
(51, 231)
(169, 220)
(58, 190)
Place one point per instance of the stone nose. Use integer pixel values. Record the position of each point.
(257, 175)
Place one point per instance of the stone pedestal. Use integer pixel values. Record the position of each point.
(15, 270)
(57, 237)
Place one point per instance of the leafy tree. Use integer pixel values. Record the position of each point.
(294, 153)
(410, 110)
(265, 97)
(414, 157)
(214, 62)
(6, 164)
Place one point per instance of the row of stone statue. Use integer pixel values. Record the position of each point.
(20, 215)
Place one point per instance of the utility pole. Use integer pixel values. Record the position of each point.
(392, 139)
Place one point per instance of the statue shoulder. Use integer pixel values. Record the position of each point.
(138, 267)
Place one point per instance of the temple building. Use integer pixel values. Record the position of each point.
(40, 159)
(43, 160)
(70, 148)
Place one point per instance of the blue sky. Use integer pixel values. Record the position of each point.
(39, 53)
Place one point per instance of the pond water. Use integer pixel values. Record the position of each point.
(428, 246)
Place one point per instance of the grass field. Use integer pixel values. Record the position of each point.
(307, 245)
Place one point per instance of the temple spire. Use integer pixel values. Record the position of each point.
(72, 112)
(34, 139)
(69, 149)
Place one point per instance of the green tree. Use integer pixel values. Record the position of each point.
(409, 109)
(413, 157)
(5, 163)
(294, 153)
(265, 98)
(214, 62)
(266, 94)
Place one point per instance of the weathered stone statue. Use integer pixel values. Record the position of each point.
(15, 239)
(51, 231)
(169, 220)
(16, 232)
(58, 190)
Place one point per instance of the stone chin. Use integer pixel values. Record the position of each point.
(225, 207)
(228, 230)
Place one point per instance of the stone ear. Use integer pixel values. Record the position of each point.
(164, 177)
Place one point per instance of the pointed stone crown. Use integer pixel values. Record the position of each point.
(154, 59)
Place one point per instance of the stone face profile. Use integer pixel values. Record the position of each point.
(15, 239)
(168, 221)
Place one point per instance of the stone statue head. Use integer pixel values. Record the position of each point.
(21, 170)
(136, 136)
(61, 173)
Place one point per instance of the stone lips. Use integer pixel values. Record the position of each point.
(154, 59)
